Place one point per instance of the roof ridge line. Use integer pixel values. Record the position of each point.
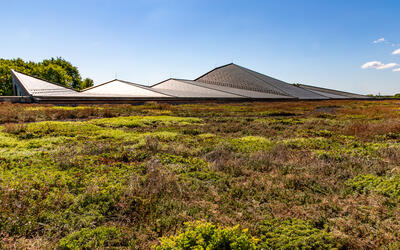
(38, 78)
(129, 83)
(98, 85)
(144, 87)
(213, 70)
(250, 73)
(345, 92)
(161, 82)
(210, 88)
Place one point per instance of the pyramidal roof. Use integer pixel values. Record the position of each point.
(123, 88)
(235, 76)
(38, 87)
(189, 88)
(225, 82)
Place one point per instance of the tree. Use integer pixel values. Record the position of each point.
(56, 70)
(87, 83)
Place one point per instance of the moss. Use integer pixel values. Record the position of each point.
(388, 186)
(282, 121)
(150, 174)
(309, 143)
(295, 234)
(99, 237)
(142, 121)
(250, 144)
(206, 136)
(201, 235)
(188, 166)
(277, 113)
(40, 108)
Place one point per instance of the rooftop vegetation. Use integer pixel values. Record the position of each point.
(294, 175)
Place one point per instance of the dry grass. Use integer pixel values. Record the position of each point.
(147, 181)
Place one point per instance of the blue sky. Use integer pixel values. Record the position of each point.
(317, 42)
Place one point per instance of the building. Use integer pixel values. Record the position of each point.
(226, 83)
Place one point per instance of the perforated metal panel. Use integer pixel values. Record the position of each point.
(244, 92)
(235, 76)
(332, 93)
(187, 88)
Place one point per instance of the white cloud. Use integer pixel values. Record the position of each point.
(396, 70)
(378, 65)
(388, 66)
(380, 40)
(373, 64)
(396, 52)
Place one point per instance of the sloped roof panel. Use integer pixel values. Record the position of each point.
(286, 87)
(186, 88)
(235, 76)
(122, 88)
(329, 95)
(244, 92)
(37, 87)
(332, 92)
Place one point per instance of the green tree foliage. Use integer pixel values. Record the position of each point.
(56, 70)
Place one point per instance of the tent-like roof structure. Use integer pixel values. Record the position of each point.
(190, 89)
(336, 94)
(123, 88)
(228, 82)
(34, 86)
(235, 76)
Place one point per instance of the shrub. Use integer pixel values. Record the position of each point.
(94, 238)
(201, 235)
(14, 128)
(388, 186)
(295, 234)
(250, 144)
(277, 113)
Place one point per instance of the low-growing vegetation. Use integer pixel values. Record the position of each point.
(281, 175)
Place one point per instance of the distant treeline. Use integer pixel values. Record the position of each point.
(56, 70)
(385, 96)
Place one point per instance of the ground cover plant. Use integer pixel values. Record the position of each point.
(279, 175)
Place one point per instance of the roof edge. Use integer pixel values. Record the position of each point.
(322, 89)
(13, 75)
(204, 87)
(38, 78)
(213, 70)
(129, 83)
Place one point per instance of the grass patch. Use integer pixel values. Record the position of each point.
(124, 176)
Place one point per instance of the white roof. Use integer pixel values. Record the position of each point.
(116, 88)
(122, 89)
(243, 92)
(37, 87)
(187, 88)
